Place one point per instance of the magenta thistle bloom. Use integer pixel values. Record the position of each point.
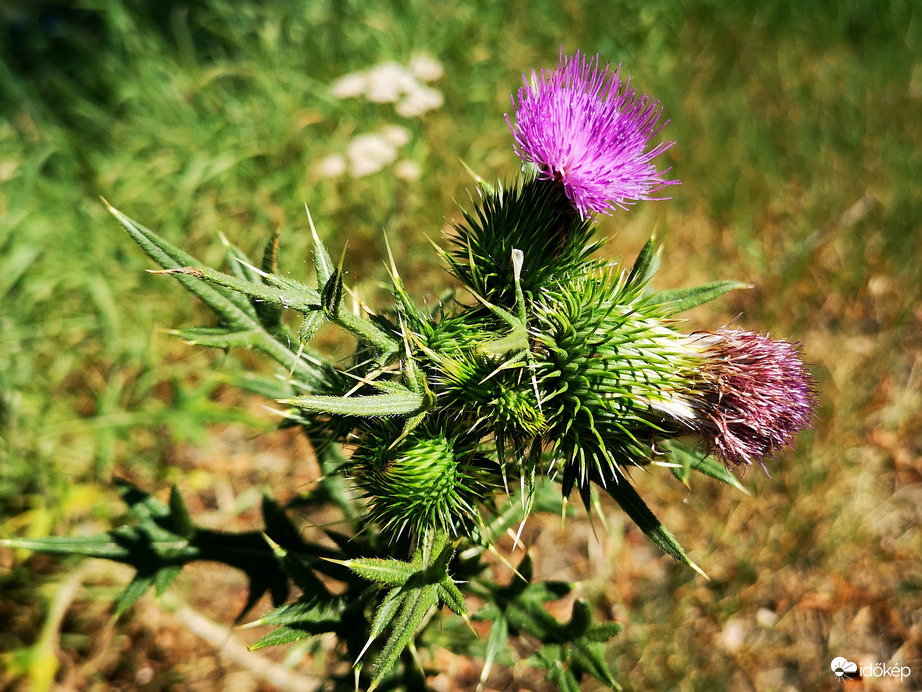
(581, 125)
(758, 395)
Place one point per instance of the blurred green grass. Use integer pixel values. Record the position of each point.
(800, 153)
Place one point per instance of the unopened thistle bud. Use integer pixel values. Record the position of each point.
(613, 375)
(488, 395)
(428, 479)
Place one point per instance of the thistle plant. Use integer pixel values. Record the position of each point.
(548, 371)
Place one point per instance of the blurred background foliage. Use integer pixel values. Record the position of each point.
(799, 149)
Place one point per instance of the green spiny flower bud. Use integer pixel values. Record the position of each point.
(462, 333)
(534, 216)
(491, 393)
(427, 479)
(486, 388)
(613, 377)
(516, 410)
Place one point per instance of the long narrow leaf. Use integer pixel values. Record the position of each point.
(219, 337)
(689, 460)
(626, 496)
(233, 309)
(363, 406)
(415, 605)
(323, 263)
(645, 266)
(304, 301)
(241, 266)
(304, 610)
(282, 635)
(682, 299)
(496, 643)
(232, 306)
(381, 570)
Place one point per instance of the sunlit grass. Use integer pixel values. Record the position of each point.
(797, 142)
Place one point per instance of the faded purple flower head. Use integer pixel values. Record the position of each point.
(758, 395)
(581, 125)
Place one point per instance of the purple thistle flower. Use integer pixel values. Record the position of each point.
(581, 125)
(758, 395)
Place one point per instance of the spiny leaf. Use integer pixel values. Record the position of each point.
(521, 601)
(282, 635)
(299, 571)
(271, 253)
(397, 404)
(233, 309)
(331, 303)
(570, 649)
(557, 673)
(323, 264)
(645, 266)
(406, 308)
(135, 589)
(581, 650)
(279, 527)
(270, 316)
(416, 587)
(699, 460)
(496, 643)
(331, 295)
(309, 326)
(626, 496)
(386, 612)
(237, 261)
(165, 578)
(450, 595)
(382, 571)
(164, 538)
(682, 299)
(178, 520)
(582, 624)
(580, 619)
(416, 603)
(305, 609)
(267, 386)
(218, 337)
(303, 300)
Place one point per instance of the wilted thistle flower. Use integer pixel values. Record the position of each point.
(756, 395)
(584, 127)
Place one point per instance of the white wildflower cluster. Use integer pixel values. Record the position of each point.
(388, 82)
(391, 82)
(369, 153)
